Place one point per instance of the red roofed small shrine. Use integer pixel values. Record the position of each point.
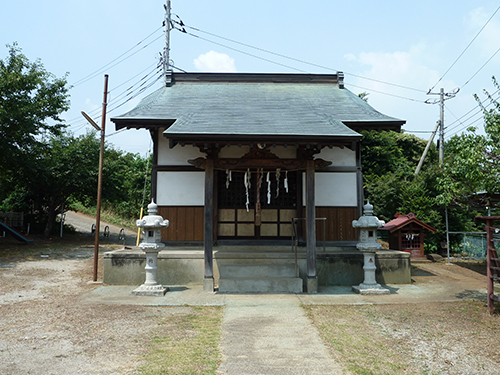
(406, 233)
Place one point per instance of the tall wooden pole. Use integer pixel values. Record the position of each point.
(99, 182)
(312, 277)
(208, 281)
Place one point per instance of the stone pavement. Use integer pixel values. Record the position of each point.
(270, 333)
(271, 336)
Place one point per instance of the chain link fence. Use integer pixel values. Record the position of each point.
(469, 245)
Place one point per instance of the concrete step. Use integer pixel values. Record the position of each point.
(261, 277)
(261, 285)
(259, 270)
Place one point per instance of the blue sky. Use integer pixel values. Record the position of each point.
(394, 50)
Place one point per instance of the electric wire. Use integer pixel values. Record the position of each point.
(458, 58)
(470, 122)
(100, 70)
(130, 93)
(476, 109)
(243, 52)
(385, 93)
(288, 57)
(498, 50)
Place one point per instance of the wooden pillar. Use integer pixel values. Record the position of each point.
(359, 181)
(154, 168)
(208, 281)
(312, 278)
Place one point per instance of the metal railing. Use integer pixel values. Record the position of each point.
(295, 239)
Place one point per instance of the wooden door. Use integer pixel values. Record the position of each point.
(261, 208)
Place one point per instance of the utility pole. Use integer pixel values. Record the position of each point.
(441, 122)
(99, 183)
(166, 48)
(100, 129)
(442, 97)
(422, 158)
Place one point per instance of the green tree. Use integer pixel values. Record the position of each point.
(65, 168)
(472, 161)
(31, 101)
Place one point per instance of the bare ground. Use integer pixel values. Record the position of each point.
(45, 330)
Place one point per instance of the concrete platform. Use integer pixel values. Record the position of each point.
(336, 266)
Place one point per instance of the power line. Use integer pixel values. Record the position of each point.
(182, 30)
(418, 131)
(385, 93)
(108, 65)
(130, 93)
(498, 50)
(243, 52)
(478, 111)
(458, 58)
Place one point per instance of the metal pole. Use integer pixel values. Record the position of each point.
(447, 234)
(422, 158)
(99, 182)
(441, 120)
(166, 48)
(62, 219)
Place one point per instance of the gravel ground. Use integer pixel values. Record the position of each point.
(46, 330)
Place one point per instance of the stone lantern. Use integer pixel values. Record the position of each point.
(151, 225)
(368, 245)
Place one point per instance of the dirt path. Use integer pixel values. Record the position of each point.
(83, 224)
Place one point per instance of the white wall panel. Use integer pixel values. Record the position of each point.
(333, 189)
(340, 157)
(181, 188)
(178, 155)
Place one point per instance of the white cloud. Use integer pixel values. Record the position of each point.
(215, 62)
(489, 36)
(403, 68)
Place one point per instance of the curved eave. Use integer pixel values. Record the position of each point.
(379, 125)
(141, 123)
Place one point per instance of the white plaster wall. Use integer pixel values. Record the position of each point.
(340, 157)
(181, 189)
(178, 155)
(333, 189)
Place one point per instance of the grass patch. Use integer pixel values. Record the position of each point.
(355, 342)
(423, 338)
(188, 344)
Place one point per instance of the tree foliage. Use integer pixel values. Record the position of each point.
(31, 100)
(472, 161)
(41, 166)
(389, 160)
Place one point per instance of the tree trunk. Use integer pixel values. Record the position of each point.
(51, 216)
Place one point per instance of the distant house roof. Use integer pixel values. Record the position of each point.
(401, 221)
(225, 106)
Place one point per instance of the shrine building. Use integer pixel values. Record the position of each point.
(246, 159)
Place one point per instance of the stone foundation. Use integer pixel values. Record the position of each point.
(342, 267)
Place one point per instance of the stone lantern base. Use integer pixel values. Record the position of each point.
(369, 286)
(150, 290)
(372, 290)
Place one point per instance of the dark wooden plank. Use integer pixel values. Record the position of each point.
(209, 218)
(185, 219)
(310, 221)
(198, 220)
